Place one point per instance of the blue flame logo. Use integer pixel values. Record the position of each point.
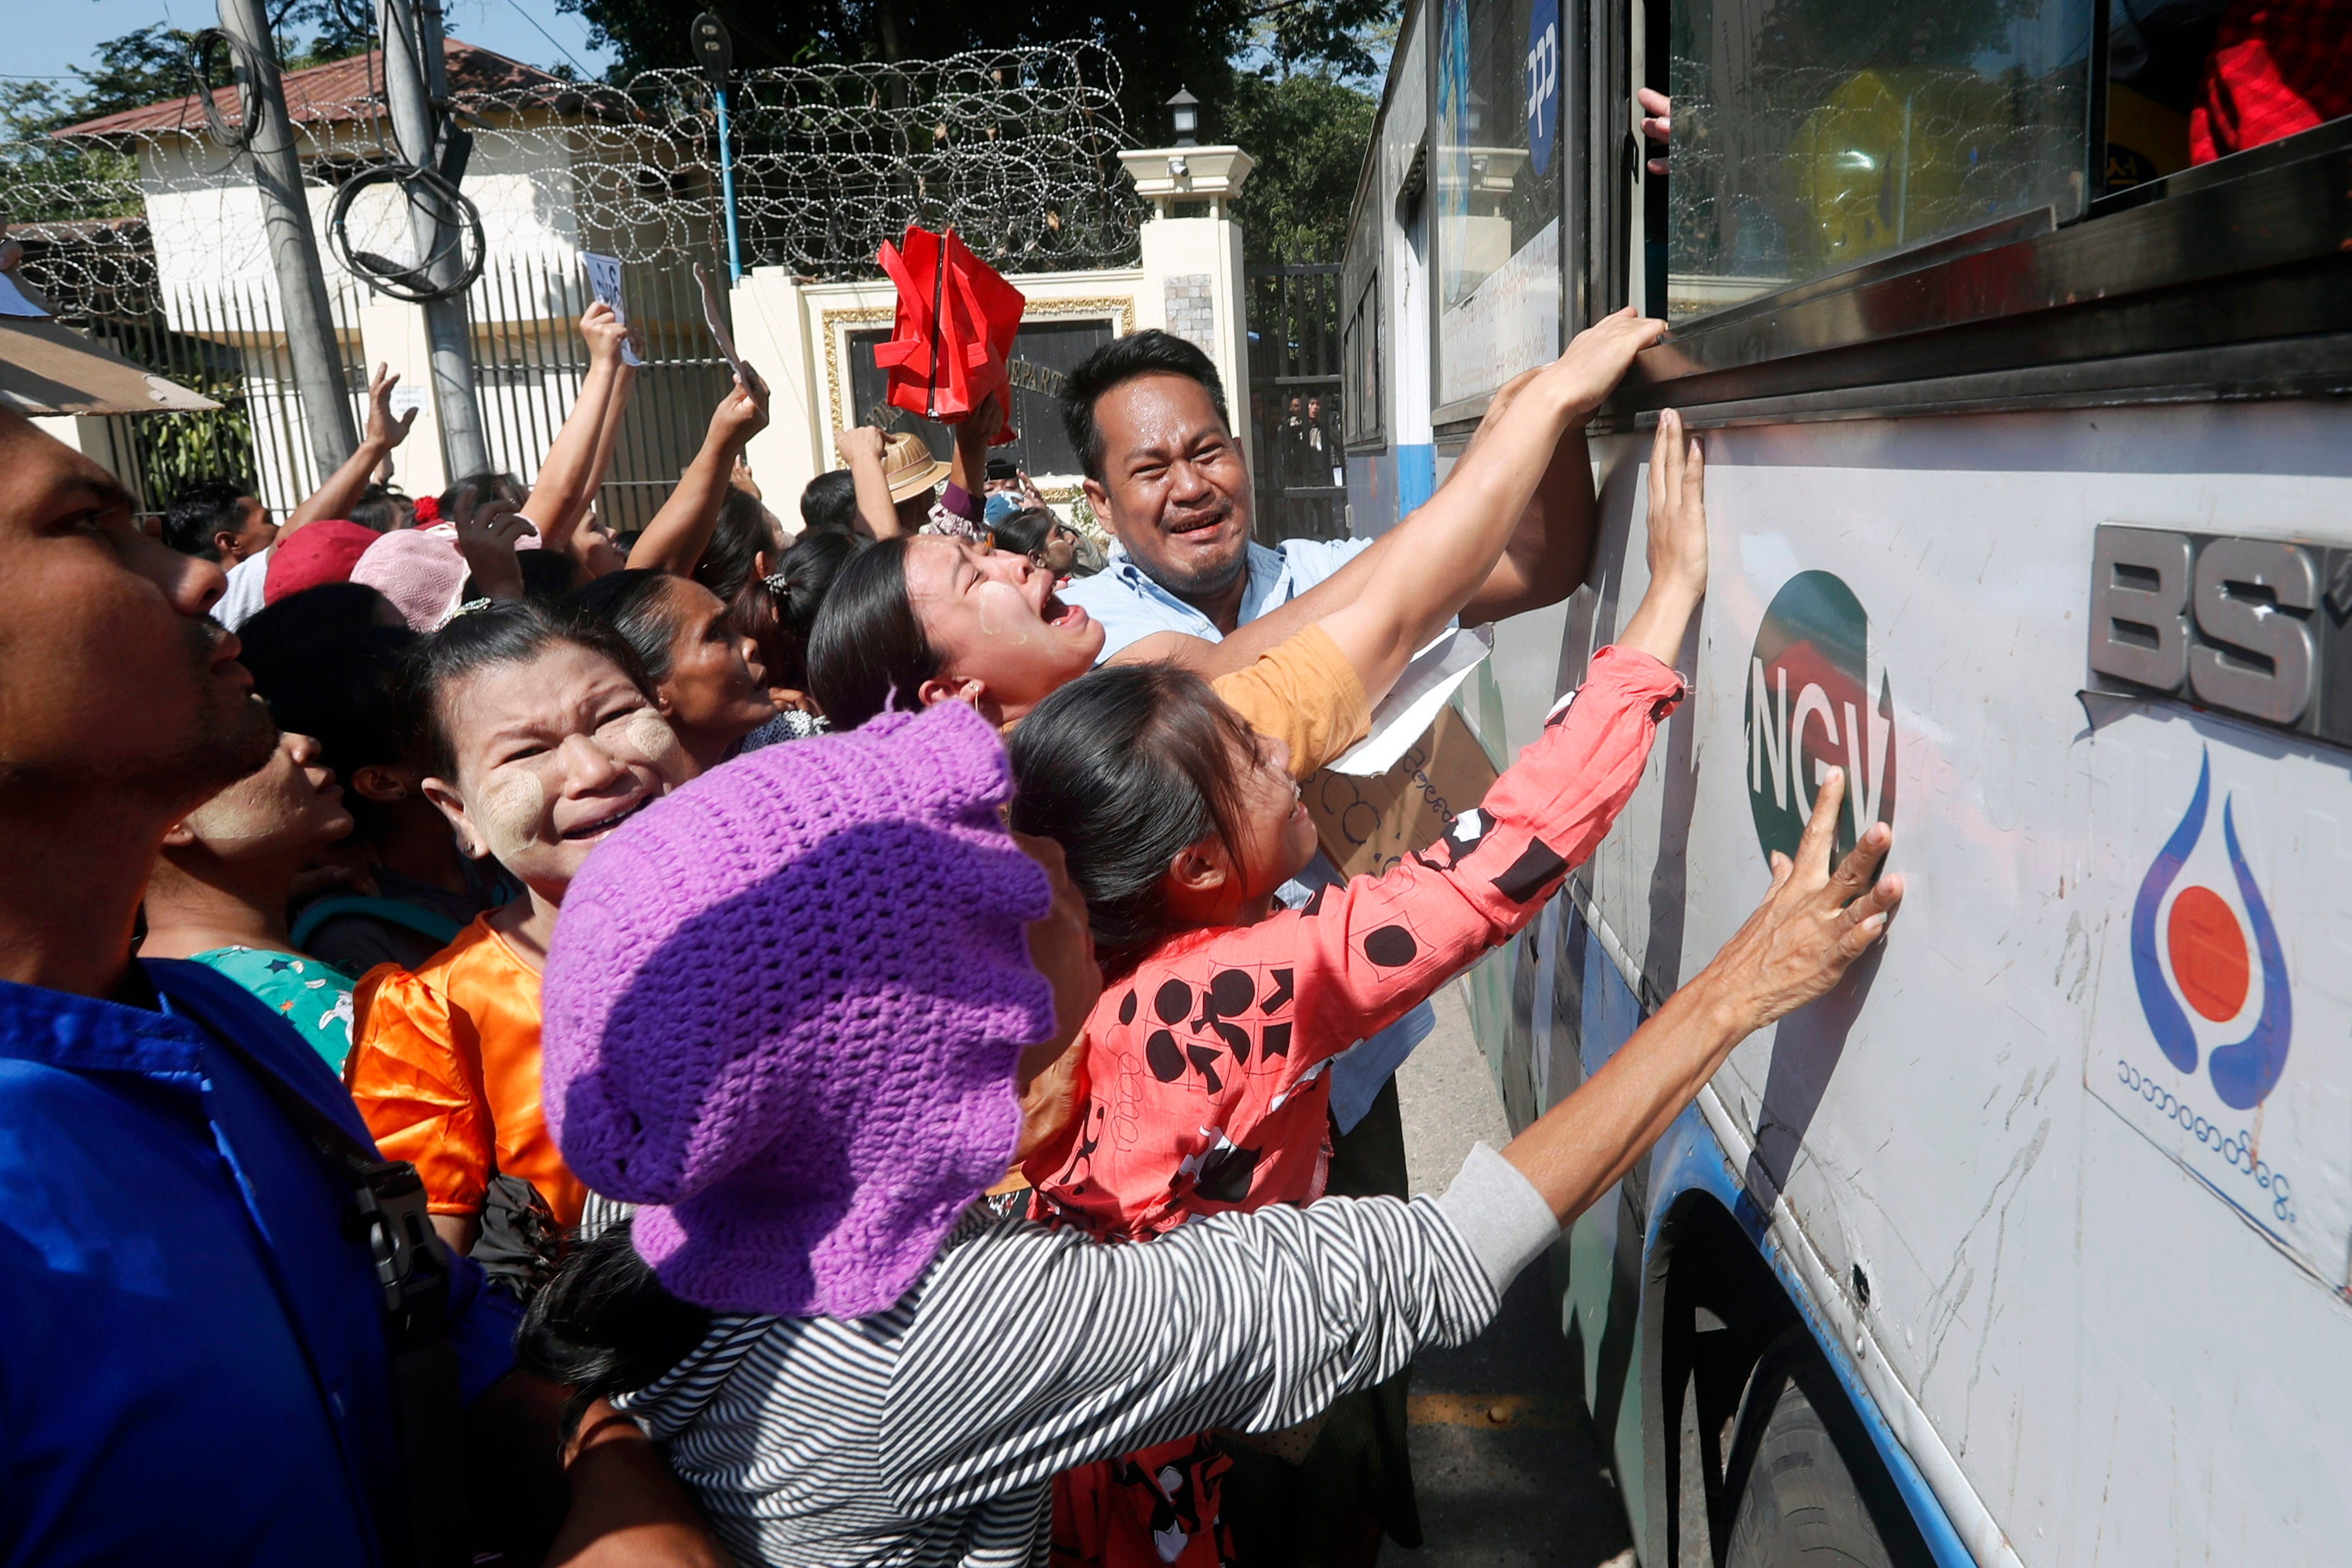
(2243, 1072)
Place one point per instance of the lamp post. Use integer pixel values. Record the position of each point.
(1184, 118)
(715, 52)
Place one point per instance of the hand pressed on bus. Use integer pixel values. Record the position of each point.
(1813, 923)
(1677, 544)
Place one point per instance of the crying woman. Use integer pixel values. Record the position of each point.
(536, 737)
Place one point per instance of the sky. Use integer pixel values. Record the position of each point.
(70, 31)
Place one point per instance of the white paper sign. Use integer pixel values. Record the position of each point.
(1406, 715)
(605, 282)
(406, 398)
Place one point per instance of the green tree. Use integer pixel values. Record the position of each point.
(1307, 132)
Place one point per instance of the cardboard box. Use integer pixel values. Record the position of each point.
(1368, 825)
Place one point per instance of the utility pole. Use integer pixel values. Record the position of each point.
(293, 246)
(412, 79)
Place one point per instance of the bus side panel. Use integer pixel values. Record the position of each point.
(2116, 1364)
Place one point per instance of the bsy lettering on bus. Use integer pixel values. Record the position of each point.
(2252, 627)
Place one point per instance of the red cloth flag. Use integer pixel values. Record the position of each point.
(954, 329)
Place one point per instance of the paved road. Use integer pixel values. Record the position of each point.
(1505, 1463)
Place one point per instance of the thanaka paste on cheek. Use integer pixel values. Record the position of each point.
(1004, 613)
(654, 740)
(511, 810)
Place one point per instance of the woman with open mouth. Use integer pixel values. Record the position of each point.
(538, 737)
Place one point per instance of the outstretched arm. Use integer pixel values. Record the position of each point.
(559, 496)
(1812, 923)
(674, 541)
(861, 451)
(347, 484)
(625, 382)
(1510, 529)
(1439, 558)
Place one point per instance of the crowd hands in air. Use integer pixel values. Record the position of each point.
(746, 936)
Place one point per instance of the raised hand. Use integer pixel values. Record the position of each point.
(605, 333)
(487, 537)
(742, 414)
(1657, 123)
(1815, 922)
(1677, 546)
(382, 429)
(1597, 360)
(859, 441)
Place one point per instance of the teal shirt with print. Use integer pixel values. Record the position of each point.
(315, 998)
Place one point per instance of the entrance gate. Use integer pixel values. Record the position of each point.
(1294, 400)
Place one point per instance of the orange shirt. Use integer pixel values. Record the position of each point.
(446, 1069)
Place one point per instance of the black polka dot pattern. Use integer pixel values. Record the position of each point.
(1391, 947)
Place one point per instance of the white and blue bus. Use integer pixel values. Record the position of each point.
(2019, 339)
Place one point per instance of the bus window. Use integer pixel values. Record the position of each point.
(1810, 135)
(2189, 81)
(1497, 155)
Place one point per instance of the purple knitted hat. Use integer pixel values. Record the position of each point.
(782, 1008)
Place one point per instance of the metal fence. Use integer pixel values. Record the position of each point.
(530, 360)
(1294, 391)
(224, 339)
(1015, 148)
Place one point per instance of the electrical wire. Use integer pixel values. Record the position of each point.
(237, 137)
(550, 37)
(427, 197)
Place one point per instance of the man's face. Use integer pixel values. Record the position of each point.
(256, 531)
(1314, 408)
(1174, 488)
(112, 675)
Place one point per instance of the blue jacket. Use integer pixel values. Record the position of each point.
(192, 1364)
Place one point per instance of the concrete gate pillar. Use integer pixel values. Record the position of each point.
(1193, 260)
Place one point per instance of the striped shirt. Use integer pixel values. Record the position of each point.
(928, 1434)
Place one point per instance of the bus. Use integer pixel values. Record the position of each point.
(2019, 338)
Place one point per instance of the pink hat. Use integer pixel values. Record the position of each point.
(419, 569)
(316, 553)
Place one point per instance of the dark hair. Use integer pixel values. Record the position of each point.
(325, 661)
(633, 604)
(1149, 352)
(1002, 470)
(199, 512)
(799, 590)
(829, 504)
(1125, 768)
(547, 574)
(1026, 531)
(488, 485)
(730, 561)
(604, 1326)
(730, 567)
(379, 508)
(868, 650)
(511, 632)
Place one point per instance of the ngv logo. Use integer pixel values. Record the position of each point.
(1810, 707)
(2194, 953)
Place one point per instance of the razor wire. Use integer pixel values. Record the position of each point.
(1016, 149)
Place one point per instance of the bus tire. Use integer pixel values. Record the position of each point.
(1811, 1491)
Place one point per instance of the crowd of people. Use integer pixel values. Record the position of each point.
(822, 1046)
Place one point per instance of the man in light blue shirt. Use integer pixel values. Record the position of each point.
(1146, 415)
(1130, 605)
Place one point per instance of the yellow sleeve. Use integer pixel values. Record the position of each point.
(411, 1084)
(1304, 694)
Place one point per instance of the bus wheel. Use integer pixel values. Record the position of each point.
(1811, 1491)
